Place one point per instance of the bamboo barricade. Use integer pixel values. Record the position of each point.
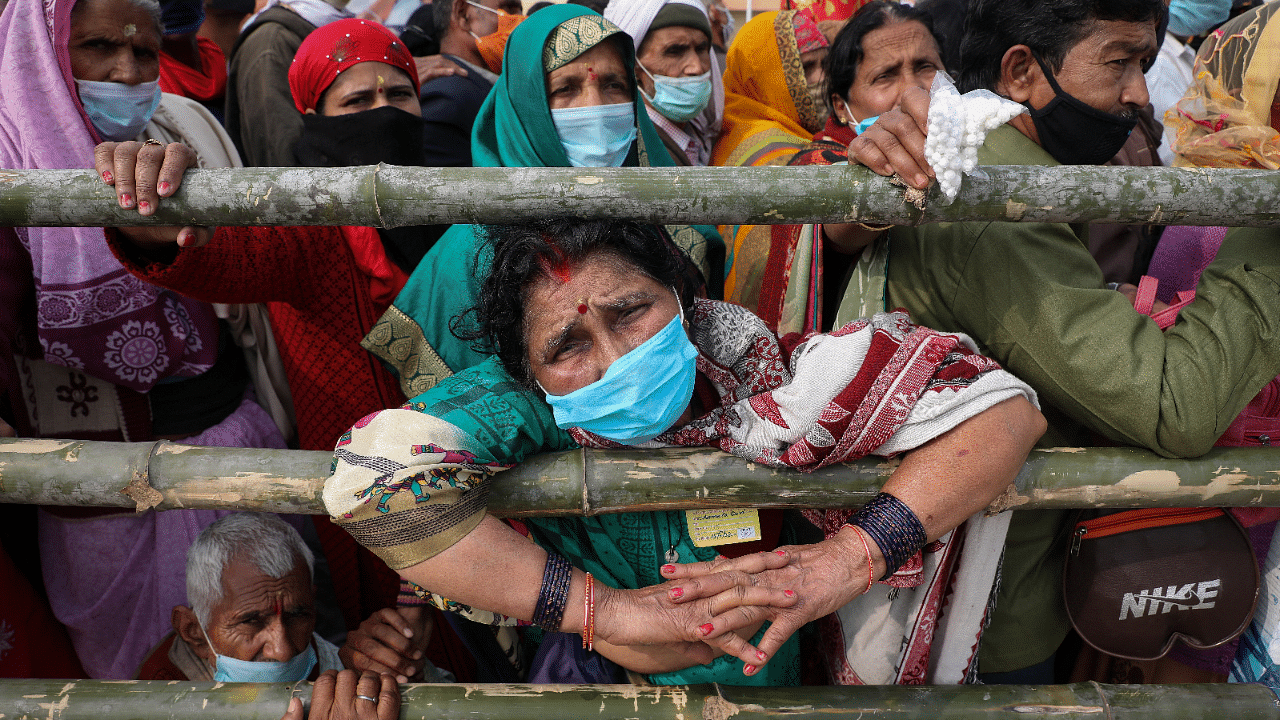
(392, 196)
(164, 475)
(135, 700)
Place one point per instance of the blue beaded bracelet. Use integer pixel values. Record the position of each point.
(553, 596)
(891, 524)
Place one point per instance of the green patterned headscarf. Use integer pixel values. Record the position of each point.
(514, 127)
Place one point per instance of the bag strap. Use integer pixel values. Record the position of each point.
(1146, 294)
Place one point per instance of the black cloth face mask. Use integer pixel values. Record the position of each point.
(1074, 132)
(385, 135)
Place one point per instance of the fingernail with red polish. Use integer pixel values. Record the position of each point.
(144, 207)
(761, 656)
(748, 669)
(126, 200)
(721, 557)
(677, 593)
(668, 568)
(789, 593)
(780, 552)
(163, 187)
(706, 629)
(107, 176)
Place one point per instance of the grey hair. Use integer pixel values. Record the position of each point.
(271, 544)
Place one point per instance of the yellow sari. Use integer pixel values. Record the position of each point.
(768, 114)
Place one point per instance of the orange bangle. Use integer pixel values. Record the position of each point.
(589, 615)
(870, 565)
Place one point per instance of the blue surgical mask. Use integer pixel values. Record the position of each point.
(229, 669)
(641, 395)
(1190, 18)
(597, 135)
(119, 111)
(679, 99)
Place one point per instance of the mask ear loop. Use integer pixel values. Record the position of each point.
(212, 649)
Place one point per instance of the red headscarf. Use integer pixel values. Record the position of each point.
(334, 47)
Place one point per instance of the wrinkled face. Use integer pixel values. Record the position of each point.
(113, 41)
(1104, 69)
(369, 86)
(674, 51)
(895, 57)
(596, 77)
(260, 617)
(577, 324)
(812, 63)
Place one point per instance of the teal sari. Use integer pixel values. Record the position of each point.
(514, 129)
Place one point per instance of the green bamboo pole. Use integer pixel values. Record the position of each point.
(390, 196)
(133, 700)
(167, 475)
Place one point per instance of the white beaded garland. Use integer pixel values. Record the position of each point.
(958, 125)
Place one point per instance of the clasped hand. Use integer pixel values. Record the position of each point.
(717, 606)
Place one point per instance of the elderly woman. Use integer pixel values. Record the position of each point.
(795, 275)
(101, 355)
(596, 349)
(355, 87)
(773, 90)
(567, 97)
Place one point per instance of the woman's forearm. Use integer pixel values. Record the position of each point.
(962, 471)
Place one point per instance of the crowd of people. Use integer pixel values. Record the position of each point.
(429, 359)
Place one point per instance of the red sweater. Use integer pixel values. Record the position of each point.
(320, 305)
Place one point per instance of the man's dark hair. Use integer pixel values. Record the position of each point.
(948, 27)
(1049, 27)
(441, 12)
(420, 35)
(841, 63)
(525, 252)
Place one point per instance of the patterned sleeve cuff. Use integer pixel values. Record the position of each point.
(411, 595)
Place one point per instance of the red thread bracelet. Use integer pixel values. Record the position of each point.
(867, 549)
(589, 615)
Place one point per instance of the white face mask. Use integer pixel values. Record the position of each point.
(119, 111)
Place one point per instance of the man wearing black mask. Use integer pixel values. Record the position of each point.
(1034, 299)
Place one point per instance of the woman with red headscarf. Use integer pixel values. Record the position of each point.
(324, 287)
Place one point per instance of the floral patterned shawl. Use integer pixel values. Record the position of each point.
(91, 313)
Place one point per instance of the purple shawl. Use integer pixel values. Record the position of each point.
(91, 313)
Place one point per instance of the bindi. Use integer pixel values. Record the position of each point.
(381, 81)
(591, 73)
(130, 30)
(582, 306)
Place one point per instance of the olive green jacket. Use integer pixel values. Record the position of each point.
(1034, 299)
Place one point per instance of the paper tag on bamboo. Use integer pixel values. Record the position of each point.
(723, 526)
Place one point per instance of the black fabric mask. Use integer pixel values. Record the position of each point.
(1076, 133)
(385, 135)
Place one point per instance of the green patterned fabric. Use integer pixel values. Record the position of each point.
(514, 129)
(573, 37)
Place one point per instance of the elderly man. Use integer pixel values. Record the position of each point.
(252, 615)
(450, 103)
(677, 73)
(1034, 299)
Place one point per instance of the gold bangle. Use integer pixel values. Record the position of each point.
(153, 141)
(873, 228)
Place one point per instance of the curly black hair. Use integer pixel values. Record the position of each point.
(523, 253)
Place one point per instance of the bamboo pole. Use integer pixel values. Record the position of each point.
(165, 476)
(135, 700)
(391, 196)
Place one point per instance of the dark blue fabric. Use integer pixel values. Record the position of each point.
(562, 659)
(449, 108)
(181, 17)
